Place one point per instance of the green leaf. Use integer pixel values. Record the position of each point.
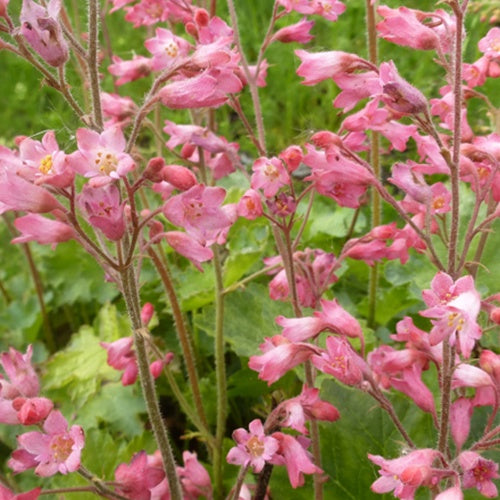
(248, 317)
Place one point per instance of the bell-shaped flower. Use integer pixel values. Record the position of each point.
(254, 447)
(194, 478)
(460, 420)
(478, 473)
(57, 449)
(40, 26)
(35, 227)
(189, 247)
(298, 32)
(166, 48)
(122, 357)
(103, 209)
(269, 174)
(128, 71)
(6, 494)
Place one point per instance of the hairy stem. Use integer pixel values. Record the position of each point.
(93, 62)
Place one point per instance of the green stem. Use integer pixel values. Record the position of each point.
(220, 371)
(131, 296)
(183, 335)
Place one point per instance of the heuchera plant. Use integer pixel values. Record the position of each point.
(436, 200)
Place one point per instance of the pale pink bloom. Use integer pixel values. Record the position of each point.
(490, 44)
(189, 247)
(453, 493)
(455, 307)
(119, 109)
(306, 406)
(103, 209)
(338, 320)
(138, 479)
(122, 357)
(301, 329)
(215, 54)
(101, 156)
(250, 205)
(355, 86)
(319, 66)
(296, 459)
(35, 227)
(269, 174)
(405, 474)
(254, 448)
(56, 450)
(208, 89)
(329, 9)
(167, 49)
(198, 210)
(21, 460)
(6, 494)
(194, 478)
(260, 77)
(210, 29)
(466, 375)
(298, 32)
(411, 182)
(460, 420)
(147, 12)
(22, 379)
(279, 356)
(340, 361)
(40, 26)
(490, 363)
(45, 162)
(301, 6)
(478, 473)
(128, 71)
(398, 94)
(18, 194)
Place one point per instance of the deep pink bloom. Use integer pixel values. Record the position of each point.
(405, 474)
(128, 71)
(45, 162)
(279, 356)
(340, 361)
(319, 66)
(180, 177)
(122, 357)
(453, 493)
(254, 448)
(306, 406)
(119, 109)
(478, 473)
(189, 247)
(32, 411)
(56, 450)
(292, 156)
(103, 209)
(40, 26)
(6, 494)
(35, 227)
(460, 420)
(294, 456)
(194, 478)
(198, 210)
(147, 313)
(147, 12)
(101, 156)
(298, 32)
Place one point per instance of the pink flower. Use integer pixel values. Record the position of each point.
(398, 93)
(453, 493)
(101, 156)
(329, 9)
(490, 44)
(6, 494)
(279, 356)
(298, 32)
(138, 479)
(269, 174)
(292, 454)
(405, 474)
(194, 477)
(250, 205)
(254, 448)
(147, 313)
(189, 247)
(122, 357)
(306, 406)
(478, 473)
(148, 12)
(208, 89)
(103, 209)
(128, 71)
(340, 361)
(292, 156)
(180, 177)
(166, 48)
(35, 227)
(22, 378)
(319, 66)
(56, 450)
(198, 210)
(31, 411)
(19, 194)
(119, 109)
(45, 162)
(460, 420)
(41, 28)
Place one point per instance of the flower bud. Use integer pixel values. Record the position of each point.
(152, 171)
(180, 177)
